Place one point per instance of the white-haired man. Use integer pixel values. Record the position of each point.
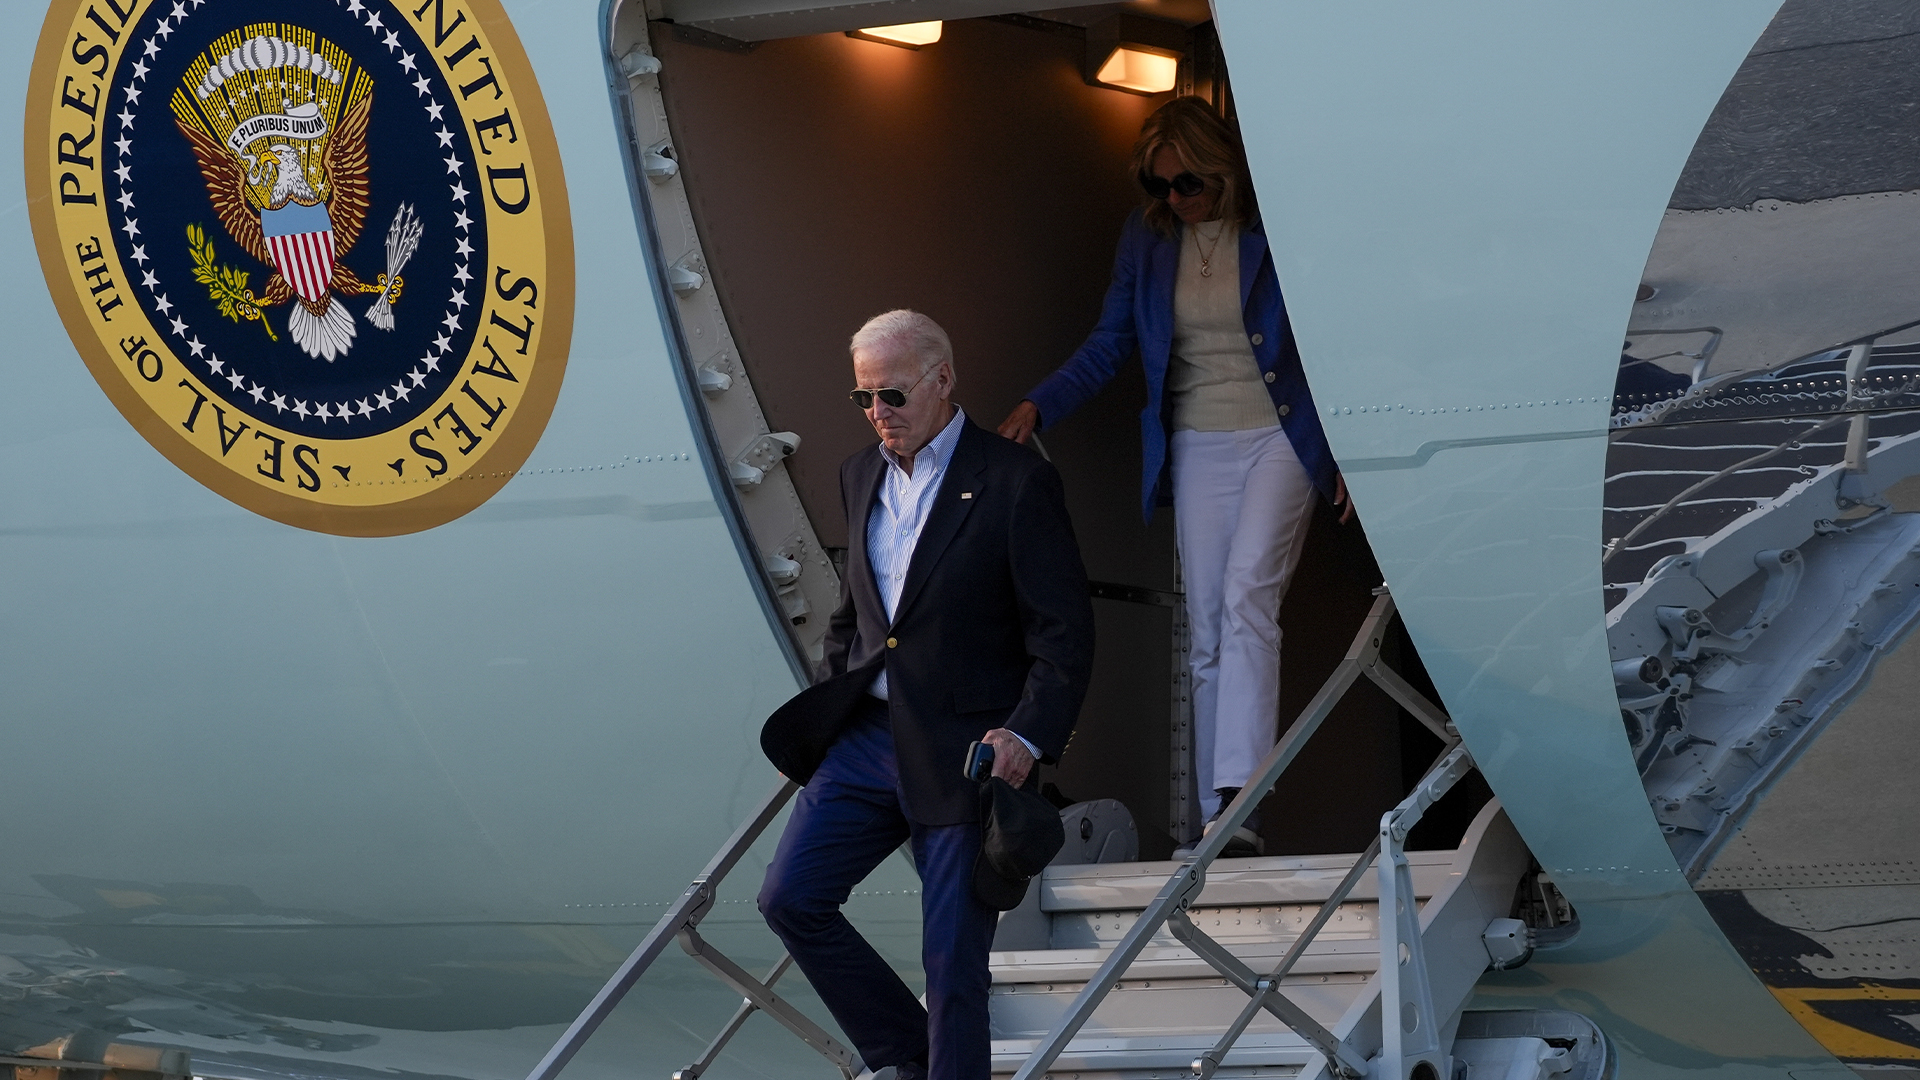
(963, 616)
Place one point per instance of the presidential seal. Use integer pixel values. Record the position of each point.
(323, 263)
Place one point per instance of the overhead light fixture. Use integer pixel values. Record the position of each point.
(906, 35)
(1138, 55)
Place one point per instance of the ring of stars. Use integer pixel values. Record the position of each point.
(325, 411)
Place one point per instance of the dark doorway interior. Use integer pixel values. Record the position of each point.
(983, 181)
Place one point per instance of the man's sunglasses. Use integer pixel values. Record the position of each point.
(891, 396)
(1159, 187)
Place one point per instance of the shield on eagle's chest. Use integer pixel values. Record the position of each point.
(301, 240)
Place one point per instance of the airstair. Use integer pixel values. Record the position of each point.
(1276, 967)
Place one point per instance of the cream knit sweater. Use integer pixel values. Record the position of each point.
(1213, 378)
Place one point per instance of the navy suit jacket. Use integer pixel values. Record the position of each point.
(1138, 313)
(993, 629)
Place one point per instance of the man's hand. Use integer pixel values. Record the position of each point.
(1011, 761)
(1017, 426)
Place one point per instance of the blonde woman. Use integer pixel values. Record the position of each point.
(1229, 420)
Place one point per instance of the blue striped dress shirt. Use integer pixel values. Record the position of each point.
(893, 528)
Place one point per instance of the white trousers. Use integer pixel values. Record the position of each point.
(1241, 503)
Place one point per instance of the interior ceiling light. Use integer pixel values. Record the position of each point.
(1139, 68)
(906, 35)
(1135, 54)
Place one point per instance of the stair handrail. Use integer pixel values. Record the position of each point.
(681, 922)
(1169, 906)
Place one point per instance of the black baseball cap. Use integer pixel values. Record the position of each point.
(1020, 833)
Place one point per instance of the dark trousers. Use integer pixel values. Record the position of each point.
(845, 822)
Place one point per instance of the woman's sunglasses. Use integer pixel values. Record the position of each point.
(1159, 187)
(891, 396)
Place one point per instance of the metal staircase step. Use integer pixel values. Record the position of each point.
(1295, 879)
(1164, 1006)
(1253, 906)
(1228, 925)
(1168, 1008)
(1161, 1057)
(1324, 956)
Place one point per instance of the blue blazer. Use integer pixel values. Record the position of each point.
(1138, 313)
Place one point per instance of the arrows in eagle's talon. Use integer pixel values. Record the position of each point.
(403, 237)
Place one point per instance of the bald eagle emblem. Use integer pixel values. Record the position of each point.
(278, 127)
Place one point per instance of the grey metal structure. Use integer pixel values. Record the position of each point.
(1733, 654)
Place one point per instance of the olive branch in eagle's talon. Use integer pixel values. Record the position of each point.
(226, 285)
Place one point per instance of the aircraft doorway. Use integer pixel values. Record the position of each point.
(806, 183)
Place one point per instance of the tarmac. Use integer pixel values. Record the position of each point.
(1796, 222)
(1823, 106)
(1783, 279)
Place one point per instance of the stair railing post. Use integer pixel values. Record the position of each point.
(1408, 1034)
(1409, 1030)
(1204, 1066)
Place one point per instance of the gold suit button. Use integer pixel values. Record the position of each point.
(893, 643)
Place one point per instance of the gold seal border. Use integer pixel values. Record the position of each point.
(442, 501)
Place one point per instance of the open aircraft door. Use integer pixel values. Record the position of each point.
(1461, 199)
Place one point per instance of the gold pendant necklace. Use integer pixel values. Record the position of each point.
(1206, 257)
